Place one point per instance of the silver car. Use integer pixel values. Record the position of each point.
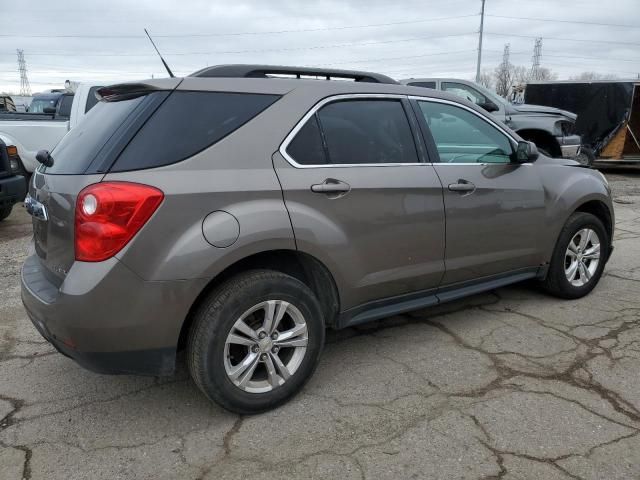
(239, 212)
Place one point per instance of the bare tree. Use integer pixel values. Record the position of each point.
(486, 79)
(503, 77)
(520, 74)
(589, 76)
(545, 73)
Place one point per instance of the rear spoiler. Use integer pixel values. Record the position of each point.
(124, 91)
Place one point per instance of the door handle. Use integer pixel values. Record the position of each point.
(463, 186)
(331, 186)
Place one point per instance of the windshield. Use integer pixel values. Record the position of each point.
(492, 95)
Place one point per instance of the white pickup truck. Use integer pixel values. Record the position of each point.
(31, 132)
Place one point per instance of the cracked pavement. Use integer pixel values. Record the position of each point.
(511, 384)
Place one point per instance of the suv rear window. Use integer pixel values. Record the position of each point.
(187, 123)
(77, 149)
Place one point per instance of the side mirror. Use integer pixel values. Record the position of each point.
(489, 106)
(526, 152)
(49, 110)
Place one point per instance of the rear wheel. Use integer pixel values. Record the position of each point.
(5, 212)
(579, 257)
(255, 341)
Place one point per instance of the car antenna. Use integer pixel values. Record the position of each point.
(163, 62)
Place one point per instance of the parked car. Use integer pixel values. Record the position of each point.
(13, 186)
(551, 129)
(238, 215)
(49, 118)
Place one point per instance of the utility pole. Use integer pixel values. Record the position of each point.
(25, 88)
(480, 43)
(535, 65)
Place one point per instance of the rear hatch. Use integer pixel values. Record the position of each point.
(82, 158)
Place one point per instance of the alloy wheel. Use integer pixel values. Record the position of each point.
(582, 257)
(265, 346)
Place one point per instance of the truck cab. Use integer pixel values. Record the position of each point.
(51, 115)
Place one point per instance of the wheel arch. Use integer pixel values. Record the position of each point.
(306, 268)
(600, 210)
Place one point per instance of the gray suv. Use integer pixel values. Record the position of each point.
(237, 214)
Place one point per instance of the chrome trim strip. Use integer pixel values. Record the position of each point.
(285, 143)
(318, 106)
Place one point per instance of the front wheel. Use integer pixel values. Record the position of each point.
(255, 341)
(579, 257)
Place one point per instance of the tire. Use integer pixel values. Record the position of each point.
(557, 282)
(5, 212)
(586, 157)
(211, 357)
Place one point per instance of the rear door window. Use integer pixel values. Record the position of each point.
(187, 123)
(371, 131)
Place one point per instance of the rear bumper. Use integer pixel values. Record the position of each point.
(12, 190)
(107, 318)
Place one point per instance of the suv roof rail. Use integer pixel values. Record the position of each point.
(263, 71)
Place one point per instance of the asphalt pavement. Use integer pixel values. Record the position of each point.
(512, 384)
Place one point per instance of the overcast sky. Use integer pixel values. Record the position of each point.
(83, 40)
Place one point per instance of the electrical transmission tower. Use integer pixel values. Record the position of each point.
(25, 88)
(505, 58)
(535, 65)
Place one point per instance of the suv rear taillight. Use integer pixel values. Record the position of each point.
(109, 214)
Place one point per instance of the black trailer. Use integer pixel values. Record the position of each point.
(608, 113)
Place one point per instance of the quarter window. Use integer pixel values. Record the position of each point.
(371, 131)
(463, 137)
(306, 148)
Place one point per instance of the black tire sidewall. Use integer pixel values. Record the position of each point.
(5, 212)
(560, 284)
(218, 321)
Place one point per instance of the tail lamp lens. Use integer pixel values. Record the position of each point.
(109, 214)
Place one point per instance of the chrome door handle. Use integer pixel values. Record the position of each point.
(462, 186)
(331, 186)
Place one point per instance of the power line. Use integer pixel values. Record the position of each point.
(272, 32)
(566, 21)
(562, 39)
(372, 60)
(264, 50)
(586, 58)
